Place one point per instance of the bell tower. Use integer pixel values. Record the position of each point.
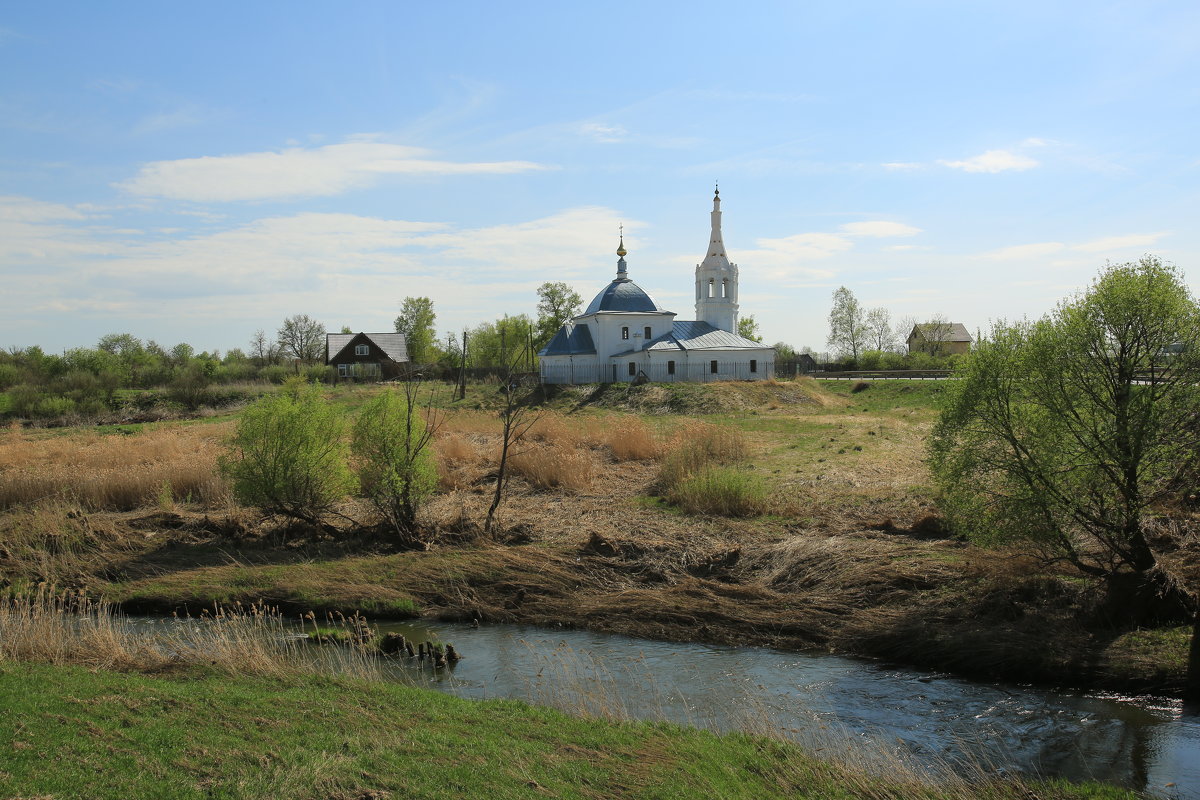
(717, 279)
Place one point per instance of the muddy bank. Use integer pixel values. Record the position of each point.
(895, 594)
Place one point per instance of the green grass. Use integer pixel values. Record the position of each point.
(78, 733)
(888, 395)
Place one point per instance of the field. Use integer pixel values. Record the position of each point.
(813, 528)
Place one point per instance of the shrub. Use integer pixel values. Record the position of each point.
(275, 373)
(724, 491)
(395, 467)
(289, 455)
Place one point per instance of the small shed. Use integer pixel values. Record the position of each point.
(939, 338)
(367, 356)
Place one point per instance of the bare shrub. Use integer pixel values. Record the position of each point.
(547, 466)
(113, 472)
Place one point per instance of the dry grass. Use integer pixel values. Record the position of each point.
(631, 439)
(68, 628)
(115, 473)
(554, 465)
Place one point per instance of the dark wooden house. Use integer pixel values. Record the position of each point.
(366, 356)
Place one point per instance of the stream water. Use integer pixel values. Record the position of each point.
(1145, 743)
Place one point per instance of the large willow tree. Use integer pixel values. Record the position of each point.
(1064, 434)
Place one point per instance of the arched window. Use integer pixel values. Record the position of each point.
(625, 332)
(711, 287)
(725, 288)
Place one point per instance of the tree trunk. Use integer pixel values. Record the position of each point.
(1191, 684)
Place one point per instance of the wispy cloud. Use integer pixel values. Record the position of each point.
(298, 172)
(1110, 243)
(993, 161)
(879, 229)
(601, 132)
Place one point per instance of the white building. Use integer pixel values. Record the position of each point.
(624, 335)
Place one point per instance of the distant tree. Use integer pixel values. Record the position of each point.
(784, 352)
(416, 322)
(880, 336)
(123, 345)
(747, 327)
(902, 330)
(263, 350)
(557, 303)
(301, 337)
(346, 329)
(503, 343)
(847, 325)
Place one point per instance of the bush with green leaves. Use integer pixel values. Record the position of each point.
(395, 468)
(289, 455)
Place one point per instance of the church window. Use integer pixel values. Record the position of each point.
(361, 349)
(753, 365)
(711, 287)
(725, 288)
(647, 333)
(712, 367)
(625, 332)
(670, 367)
(632, 368)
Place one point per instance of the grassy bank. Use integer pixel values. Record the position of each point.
(809, 524)
(121, 735)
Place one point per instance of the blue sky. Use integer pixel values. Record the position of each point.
(194, 172)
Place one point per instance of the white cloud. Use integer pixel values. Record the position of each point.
(600, 132)
(1022, 251)
(993, 161)
(1119, 242)
(14, 208)
(297, 172)
(879, 229)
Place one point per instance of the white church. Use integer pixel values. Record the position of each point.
(624, 335)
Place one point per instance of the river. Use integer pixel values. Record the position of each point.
(887, 713)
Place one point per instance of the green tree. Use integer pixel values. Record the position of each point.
(503, 343)
(847, 325)
(747, 327)
(395, 468)
(557, 303)
(1062, 434)
(879, 335)
(416, 322)
(289, 455)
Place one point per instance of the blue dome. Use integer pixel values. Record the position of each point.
(623, 295)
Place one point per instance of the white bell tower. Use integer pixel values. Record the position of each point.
(717, 280)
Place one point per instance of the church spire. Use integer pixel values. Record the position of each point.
(715, 255)
(622, 273)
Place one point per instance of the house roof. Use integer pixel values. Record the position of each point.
(696, 335)
(392, 344)
(623, 295)
(571, 340)
(944, 332)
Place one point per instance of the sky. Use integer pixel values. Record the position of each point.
(194, 172)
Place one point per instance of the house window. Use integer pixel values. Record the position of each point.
(625, 333)
(712, 367)
(343, 370)
(632, 368)
(361, 349)
(647, 333)
(753, 365)
(670, 367)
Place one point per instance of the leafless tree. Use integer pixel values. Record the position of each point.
(302, 337)
(878, 323)
(517, 417)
